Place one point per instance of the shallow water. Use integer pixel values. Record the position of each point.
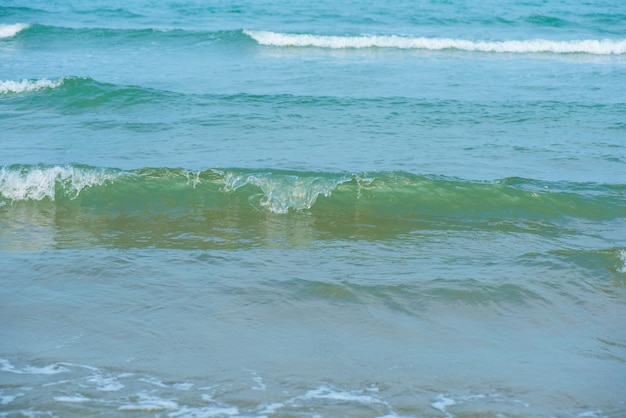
(357, 209)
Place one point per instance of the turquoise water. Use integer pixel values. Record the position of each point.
(414, 209)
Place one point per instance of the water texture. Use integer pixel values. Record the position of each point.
(270, 209)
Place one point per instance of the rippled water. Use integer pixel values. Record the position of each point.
(356, 209)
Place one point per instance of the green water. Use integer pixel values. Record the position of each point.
(359, 209)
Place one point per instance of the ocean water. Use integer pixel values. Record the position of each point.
(313, 209)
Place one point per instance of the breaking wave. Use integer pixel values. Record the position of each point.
(25, 86)
(278, 191)
(589, 46)
(9, 31)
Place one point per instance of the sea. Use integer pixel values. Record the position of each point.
(340, 208)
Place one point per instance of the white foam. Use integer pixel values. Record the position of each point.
(205, 412)
(260, 385)
(8, 31)
(271, 408)
(591, 414)
(149, 404)
(622, 256)
(38, 183)
(106, 384)
(183, 386)
(282, 192)
(153, 381)
(75, 398)
(442, 403)
(6, 366)
(588, 46)
(324, 392)
(51, 369)
(7, 399)
(60, 382)
(25, 86)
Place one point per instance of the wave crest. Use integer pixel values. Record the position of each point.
(25, 86)
(39, 182)
(282, 192)
(380, 194)
(9, 31)
(589, 46)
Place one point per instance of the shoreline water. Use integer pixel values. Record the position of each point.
(258, 209)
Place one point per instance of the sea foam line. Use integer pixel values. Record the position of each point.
(24, 86)
(8, 31)
(589, 46)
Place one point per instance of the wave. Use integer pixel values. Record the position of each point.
(9, 31)
(119, 35)
(77, 94)
(280, 39)
(25, 86)
(74, 206)
(614, 259)
(40, 182)
(590, 46)
(280, 192)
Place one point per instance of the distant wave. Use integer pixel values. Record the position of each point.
(117, 35)
(8, 31)
(82, 95)
(24, 86)
(590, 46)
(280, 39)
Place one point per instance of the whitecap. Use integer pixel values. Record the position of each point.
(204, 412)
(25, 86)
(106, 384)
(153, 381)
(38, 183)
(6, 399)
(149, 404)
(75, 398)
(586, 46)
(183, 386)
(324, 392)
(6, 366)
(442, 403)
(50, 369)
(8, 31)
(271, 409)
